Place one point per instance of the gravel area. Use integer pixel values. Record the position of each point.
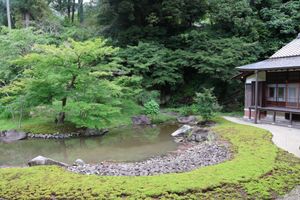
(188, 157)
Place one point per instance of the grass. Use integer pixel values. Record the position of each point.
(259, 170)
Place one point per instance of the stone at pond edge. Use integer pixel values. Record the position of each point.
(79, 162)
(181, 131)
(187, 120)
(41, 160)
(12, 135)
(94, 132)
(141, 120)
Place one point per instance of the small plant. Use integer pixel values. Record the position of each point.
(206, 104)
(151, 108)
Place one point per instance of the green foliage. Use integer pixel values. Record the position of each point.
(154, 63)
(130, 21)
(258, 170)
(151, 108)
(188, 110)
(80, 75)
(14, 44)
(146, 96)
(206, 104)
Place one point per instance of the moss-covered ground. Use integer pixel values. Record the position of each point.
(258, 170)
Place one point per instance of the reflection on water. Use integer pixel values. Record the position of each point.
(124, 144)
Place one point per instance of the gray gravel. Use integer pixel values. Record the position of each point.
(186, 158)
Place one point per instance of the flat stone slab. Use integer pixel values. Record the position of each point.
(12, 135)
(41, 160)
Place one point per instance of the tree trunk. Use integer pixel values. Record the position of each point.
(69, 9)
(73, 11)
(80, 11)
(26, 19)
(8, 14)
(62, 115)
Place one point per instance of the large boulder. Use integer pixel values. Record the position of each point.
(182, 131)
(12, 135)
(188, 120)
(41, 160)
(141, 120)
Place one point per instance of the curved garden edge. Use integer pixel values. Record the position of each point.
(259, 169)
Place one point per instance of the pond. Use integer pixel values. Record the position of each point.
(122, 144)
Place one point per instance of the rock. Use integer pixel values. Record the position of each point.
(181, 131)
(79, 162)
(12, 135)
(187, 120)
(40, 160)
(141, 120)
(94, 132)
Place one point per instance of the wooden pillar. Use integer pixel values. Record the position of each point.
(256, 96)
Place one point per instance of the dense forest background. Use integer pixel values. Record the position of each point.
(176, 47)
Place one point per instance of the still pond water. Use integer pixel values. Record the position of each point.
(126, 144)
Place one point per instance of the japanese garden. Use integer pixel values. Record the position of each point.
(164, 99)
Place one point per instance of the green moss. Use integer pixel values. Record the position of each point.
(258, 170)
(49, 128)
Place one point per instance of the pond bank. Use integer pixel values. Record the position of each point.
(188, 157)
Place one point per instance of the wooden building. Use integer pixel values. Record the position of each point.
(273, 85)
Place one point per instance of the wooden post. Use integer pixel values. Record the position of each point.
(291, 120)
(256, 96)
(250, 113)
(274, 117)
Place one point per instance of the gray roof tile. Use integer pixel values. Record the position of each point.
(291, 49)
(286, 58)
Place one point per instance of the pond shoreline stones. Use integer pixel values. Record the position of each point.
(81, 133)
(189, 156)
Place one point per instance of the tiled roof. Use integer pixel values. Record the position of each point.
(273, 63)
(286, 58)
(291, 49)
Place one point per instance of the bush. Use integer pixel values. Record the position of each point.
(188, 110)
(151, 108)
(206, 104)
(147, 96)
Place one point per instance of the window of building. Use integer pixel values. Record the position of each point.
(281, 93)
(272, 92)
(292, 93)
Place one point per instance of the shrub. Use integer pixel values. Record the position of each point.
(151, 108)
(206, 104)
(188, 110)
